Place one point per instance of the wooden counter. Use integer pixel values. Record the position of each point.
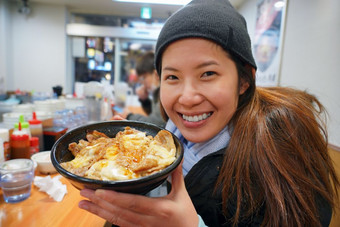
(137, 110)
(41, 210)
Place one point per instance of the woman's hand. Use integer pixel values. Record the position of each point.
(120, 116)
(117, 117)
(175, 209)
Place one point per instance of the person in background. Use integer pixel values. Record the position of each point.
(148, 92)
(252, 156)
(133, 79)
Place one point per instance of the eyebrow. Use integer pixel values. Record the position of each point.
(204, 64)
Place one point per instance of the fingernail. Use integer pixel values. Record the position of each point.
(100, 192)
(82, 205)
(85, 192)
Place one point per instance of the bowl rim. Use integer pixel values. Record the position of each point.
(122, 183)
(40, 153)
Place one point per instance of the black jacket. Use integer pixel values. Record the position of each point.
(200, 183)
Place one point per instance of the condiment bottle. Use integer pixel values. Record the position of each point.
(2, 155)
(4, 134)
(24, 125)
(34, 145)
(20, 144)
(36, 129)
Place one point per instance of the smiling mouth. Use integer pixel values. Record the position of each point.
(196, 118)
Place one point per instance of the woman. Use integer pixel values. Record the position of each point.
(253, 156)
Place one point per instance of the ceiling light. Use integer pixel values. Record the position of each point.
(166, 2)
(279, 4)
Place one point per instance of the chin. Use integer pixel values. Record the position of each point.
(194, 138)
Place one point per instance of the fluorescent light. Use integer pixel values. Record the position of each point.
(166, 2)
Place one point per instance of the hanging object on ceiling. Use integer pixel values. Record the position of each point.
(24, 8)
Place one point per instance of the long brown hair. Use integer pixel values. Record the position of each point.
(278, 158)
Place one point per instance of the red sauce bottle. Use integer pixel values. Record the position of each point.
(34, 145)
(20, 144)
(4, 134)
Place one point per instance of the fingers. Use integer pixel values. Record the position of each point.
(115, 216)
(111, 200)
(110, 212)
(124, 209)
(136, 203)
(117, 118)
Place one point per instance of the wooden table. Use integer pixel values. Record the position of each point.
(137, 110)
(39, 210)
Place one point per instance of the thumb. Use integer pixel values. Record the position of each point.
(177, 180)
(180, 196)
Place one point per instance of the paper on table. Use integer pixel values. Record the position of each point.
(52, 186)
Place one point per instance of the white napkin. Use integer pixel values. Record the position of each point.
(52, 186)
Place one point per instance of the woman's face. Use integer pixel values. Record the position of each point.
(199, 87)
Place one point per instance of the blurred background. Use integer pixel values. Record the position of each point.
(46, 44)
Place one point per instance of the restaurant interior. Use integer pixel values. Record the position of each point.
(59, 59)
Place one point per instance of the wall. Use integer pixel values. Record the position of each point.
(311, 52)
(36, 57)
(37, 48)
(4, 48)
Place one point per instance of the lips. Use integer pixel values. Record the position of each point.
(196, 118)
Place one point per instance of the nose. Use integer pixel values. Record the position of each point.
(190, 95)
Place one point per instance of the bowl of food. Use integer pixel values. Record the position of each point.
(43, 162)
(125, 156)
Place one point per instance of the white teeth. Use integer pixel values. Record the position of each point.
(196, 117)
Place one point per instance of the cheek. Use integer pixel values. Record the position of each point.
(224, 99)
(165, 98)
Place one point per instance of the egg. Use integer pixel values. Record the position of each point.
(131, 154)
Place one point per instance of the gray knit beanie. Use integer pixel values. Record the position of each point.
(216, 20)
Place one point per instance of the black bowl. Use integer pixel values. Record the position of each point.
(142, 185)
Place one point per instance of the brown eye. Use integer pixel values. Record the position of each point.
(171, 77)
(207, 74)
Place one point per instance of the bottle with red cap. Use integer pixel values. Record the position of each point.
(36, 129)
(25, 126)
(20, 143)
(34, 145)
(4, 135)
